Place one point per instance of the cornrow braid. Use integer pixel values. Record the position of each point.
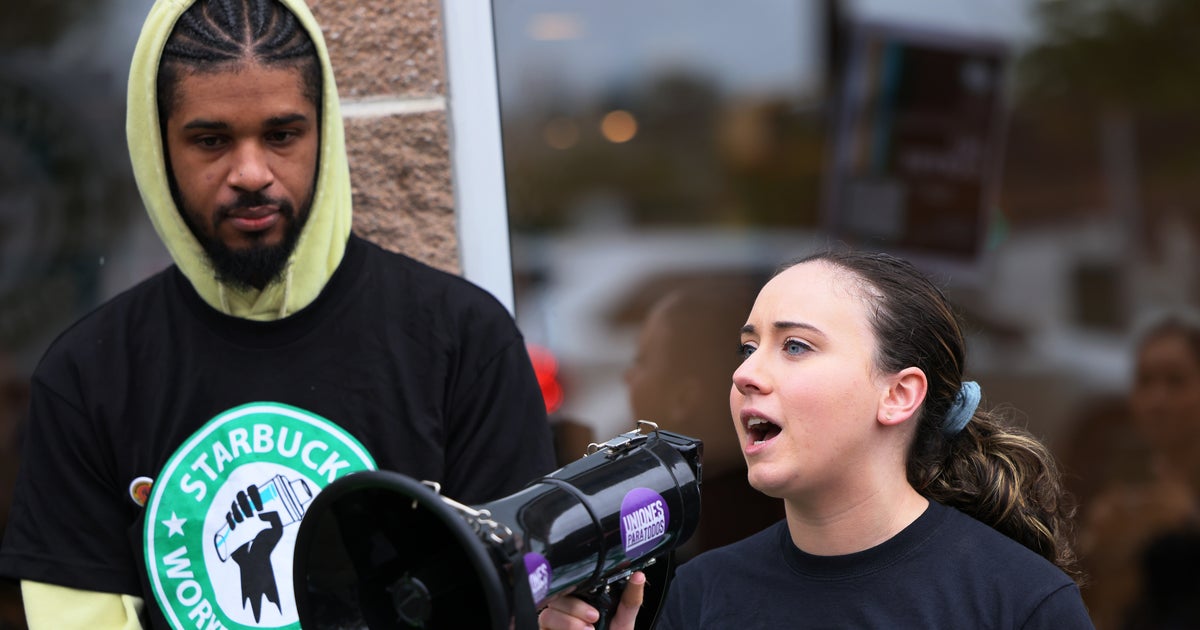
(215, 34)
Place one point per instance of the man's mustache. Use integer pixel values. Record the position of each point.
(247, 200)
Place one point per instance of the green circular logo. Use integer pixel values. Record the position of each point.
(222, 517)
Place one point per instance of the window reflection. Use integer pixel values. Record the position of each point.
(1080, 217)
(72, 232)
(643, 142)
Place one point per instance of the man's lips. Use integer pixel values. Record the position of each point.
(255, 219)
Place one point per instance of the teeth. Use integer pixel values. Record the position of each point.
(760, 441)
(753, 422)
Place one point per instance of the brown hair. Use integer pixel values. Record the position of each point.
(1170, 325)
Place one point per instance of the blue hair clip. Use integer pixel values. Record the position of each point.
(963, 409)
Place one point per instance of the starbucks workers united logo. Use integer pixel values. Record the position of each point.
(222, 516)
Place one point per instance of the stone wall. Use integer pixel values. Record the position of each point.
(389, 62)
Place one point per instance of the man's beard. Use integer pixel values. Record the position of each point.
(258, 265)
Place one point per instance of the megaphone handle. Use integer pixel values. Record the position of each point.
(606, 600)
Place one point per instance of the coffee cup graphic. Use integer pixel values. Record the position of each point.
(287, 498)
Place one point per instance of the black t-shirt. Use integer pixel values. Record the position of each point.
(395, 365)
(945, 570)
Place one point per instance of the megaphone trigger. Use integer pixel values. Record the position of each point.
(607, 598)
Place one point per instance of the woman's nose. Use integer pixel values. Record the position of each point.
(749, 377)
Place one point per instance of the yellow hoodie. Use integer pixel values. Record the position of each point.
(318, 252)
(323, 239)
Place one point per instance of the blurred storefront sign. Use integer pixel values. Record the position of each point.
(916, 141)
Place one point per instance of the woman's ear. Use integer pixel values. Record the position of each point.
(904, 394)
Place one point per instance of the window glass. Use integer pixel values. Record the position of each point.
(1038, 158)
(648, 146)
(72, 231)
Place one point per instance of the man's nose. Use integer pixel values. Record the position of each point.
(251, 169)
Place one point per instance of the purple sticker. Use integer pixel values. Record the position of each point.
(644, 520)
(538, 569)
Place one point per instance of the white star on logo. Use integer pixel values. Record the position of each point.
(174, 525)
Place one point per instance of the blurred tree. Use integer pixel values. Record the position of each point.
(67, 194)
(1142, 55)
(1129, 69)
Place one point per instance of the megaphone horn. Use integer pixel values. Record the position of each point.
(382, 551)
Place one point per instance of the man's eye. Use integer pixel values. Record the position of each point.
(208, 142)
(745, 350)
(281, 137)
(795, 346)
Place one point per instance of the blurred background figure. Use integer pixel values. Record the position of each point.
(1140, 538)
(1166, 396)
(680, 379)
(1102, 448)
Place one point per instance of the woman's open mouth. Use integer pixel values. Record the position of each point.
(761, 431)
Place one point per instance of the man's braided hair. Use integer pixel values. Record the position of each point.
(216, 35)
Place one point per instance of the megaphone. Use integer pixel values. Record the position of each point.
(378, 550)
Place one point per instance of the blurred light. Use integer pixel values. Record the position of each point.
(618, 126)
(555, 27)
(545, 367)
(561, 133)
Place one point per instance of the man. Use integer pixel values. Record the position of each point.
(178, 433)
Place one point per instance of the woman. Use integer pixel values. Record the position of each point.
(1166, 395)
(1141, 537)
(906, 505)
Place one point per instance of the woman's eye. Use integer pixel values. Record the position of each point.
(745, 350)
(795, 346)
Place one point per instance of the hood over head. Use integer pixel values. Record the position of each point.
(322, 241)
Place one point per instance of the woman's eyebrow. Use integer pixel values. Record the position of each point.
(784, 325)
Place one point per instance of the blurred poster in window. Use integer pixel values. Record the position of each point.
(916, 144)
